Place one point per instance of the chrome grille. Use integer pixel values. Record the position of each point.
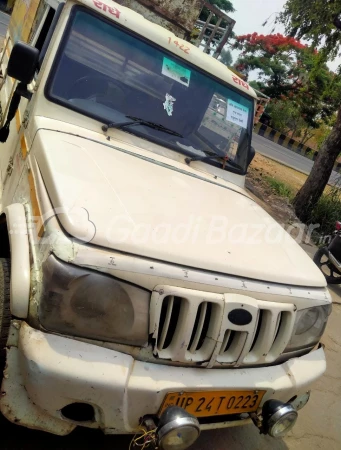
(193, 326)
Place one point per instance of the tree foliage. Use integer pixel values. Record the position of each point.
(224, 5)
(286, 117)
(226, 57)
(318, 21)
(292, 72)
(278, 59)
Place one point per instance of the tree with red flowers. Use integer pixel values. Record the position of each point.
(291, 71)
(277, 58)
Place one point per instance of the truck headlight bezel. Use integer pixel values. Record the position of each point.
(278, 418)
(309, 327)
(82, 302)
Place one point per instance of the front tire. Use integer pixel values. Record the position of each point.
(5, 312)
(331, 274)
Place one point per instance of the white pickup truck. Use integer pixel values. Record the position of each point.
(141, 287)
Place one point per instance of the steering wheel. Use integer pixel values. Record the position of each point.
(95, 87)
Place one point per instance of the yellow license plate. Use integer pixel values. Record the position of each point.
(214, 403)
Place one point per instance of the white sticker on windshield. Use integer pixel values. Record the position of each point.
(237, 113)
(168, 104)
(176, 72)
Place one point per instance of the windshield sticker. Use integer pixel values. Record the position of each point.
(176, 72)
(168, 104)
(237, 113)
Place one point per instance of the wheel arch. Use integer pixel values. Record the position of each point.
(14, 234)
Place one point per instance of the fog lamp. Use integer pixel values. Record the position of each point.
(278, 418)
(177, 429)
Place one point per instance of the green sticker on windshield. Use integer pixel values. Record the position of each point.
(176, 72)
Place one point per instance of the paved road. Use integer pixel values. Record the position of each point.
(285, 156)
(4, 19)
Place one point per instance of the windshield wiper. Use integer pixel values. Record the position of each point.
(224, 159)
(137, 121)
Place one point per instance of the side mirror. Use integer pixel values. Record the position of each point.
(23, 62)
(251, 155)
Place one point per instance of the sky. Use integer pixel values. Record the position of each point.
(251, 14)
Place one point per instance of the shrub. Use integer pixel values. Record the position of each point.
(280, 188)
(326, 212)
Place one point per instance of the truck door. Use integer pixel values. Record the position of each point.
(14, 150)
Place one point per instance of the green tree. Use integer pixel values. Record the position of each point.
(277, 59)
(293, 73)
(286, 117)
(318, 21)
(226, 57)
(224, 5)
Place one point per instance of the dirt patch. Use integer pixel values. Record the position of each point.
(256, 182)
(262, 166)
(277, 206)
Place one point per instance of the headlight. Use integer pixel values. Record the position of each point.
(80, 302)
(309, 327)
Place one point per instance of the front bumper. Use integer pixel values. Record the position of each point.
(46, 372)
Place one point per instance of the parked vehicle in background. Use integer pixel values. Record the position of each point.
(328, 257)
(140, 284)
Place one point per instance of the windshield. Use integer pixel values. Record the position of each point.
(105, 72)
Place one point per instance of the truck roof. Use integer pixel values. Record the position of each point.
(166, 39)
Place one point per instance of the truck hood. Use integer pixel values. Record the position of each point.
(147, 205)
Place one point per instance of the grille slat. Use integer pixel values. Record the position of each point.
(279, 320)
(183, 331)
(198, 330)
(258, 328)
(232, 346)
(283, 335)
(165, 326)
(228, 338)
(268, 332)
(264, 337)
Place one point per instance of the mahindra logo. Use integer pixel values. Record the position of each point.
(240, 317)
